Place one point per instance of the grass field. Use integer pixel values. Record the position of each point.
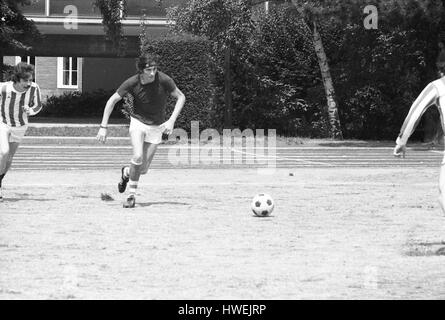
(335, 233)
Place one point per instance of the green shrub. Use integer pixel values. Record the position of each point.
(80, 104)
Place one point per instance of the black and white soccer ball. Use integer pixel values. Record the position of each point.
(262, 205)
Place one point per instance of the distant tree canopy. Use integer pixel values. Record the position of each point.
(15, 30)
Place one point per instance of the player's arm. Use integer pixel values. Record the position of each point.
(426, 99)
(167, 127)
(109, 107)
(36, 102)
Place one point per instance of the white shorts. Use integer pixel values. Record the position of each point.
(153, 134)
(15, 134)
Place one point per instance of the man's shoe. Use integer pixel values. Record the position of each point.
(130, 202)
(122, 185)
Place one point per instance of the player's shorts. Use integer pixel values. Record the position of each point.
(16, 134)
(153, 134)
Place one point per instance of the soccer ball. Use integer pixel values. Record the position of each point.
(262, 205)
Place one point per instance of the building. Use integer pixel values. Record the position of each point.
(75, 55)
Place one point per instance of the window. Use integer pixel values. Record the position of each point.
(27, 59)
(83, 8)
(67, 72)
(151, 8)
(35, 8)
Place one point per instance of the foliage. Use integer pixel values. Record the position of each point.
(16, 32)
(79, 104)
(113, 12)
(15, 29)
(272, 61)
(382, 71)
(277, 74)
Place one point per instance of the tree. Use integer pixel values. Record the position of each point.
(113, 12)
(214, 19)
(226, 23)
(16, 32)
(316, 12)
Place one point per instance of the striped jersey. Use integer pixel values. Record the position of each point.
(13, 104)
(433, 94)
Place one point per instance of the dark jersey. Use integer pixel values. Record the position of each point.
(149, 99)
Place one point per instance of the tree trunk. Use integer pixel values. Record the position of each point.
(227, 90)
(334, 119)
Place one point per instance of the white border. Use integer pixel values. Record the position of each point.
(60, 84)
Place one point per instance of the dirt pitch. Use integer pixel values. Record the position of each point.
(335, 233)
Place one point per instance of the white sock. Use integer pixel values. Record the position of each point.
(133, 185)
(126, 172)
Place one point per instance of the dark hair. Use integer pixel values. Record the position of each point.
(147, 60)
(21, 71)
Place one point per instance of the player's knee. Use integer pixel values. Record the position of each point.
(144, 170)
(137, 159)
(4, 152)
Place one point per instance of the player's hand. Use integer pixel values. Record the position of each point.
(399, 151)
(27, 109)
(167, 127)
(102, 135)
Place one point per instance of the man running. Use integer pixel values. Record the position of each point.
(433, 94)
(150, 89)
(18, 99)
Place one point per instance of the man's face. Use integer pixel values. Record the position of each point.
(24, 83)
(149, 73)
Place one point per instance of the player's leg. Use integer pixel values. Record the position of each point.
(137, 141)
(149, 153)
(442, 166)
(442, 186)
(13, 146)
(153, 138)
(4, 153)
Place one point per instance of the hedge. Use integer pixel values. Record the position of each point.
(80, 104)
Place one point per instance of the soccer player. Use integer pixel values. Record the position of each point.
(433, 94)
(150, 88)
(18, 99)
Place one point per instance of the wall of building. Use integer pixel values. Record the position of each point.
(106, 73)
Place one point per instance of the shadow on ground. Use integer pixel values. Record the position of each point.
(423, 249)
(26, 199)
(148, 204)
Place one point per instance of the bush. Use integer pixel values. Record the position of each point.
(80, 104)
(6, 72)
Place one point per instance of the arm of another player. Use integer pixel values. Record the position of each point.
(426, 99)
(167, 127)
(102, 134)
(36, 103)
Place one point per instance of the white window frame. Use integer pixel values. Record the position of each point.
(60, 84)
(28, 60)
(47, 8)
